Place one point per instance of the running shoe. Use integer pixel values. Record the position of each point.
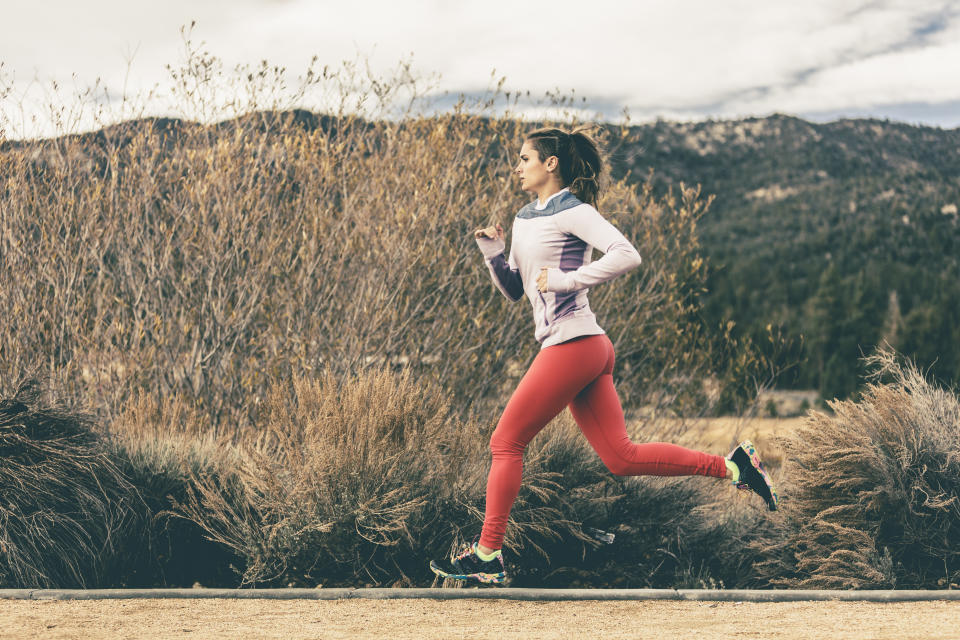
(753, 477)
(467, 566)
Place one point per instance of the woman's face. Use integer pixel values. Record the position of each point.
(533, 172)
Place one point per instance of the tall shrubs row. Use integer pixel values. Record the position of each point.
(363, 481)
(233, 300)
(873, 490)
(343, 484)
(208, 261)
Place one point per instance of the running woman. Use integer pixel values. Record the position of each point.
(550, 264)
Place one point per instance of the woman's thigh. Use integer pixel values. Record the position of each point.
(554, 379)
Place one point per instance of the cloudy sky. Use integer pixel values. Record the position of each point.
(677, 59)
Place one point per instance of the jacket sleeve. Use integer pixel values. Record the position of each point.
(504, 272)
(620, 256)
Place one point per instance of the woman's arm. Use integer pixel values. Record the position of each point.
(620, 256)
(504, 272)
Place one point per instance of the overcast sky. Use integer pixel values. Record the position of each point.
(676, 59)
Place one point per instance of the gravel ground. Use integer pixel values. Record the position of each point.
(402, 619)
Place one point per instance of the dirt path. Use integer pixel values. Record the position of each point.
(416, 619)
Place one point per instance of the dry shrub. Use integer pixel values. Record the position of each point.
(83, 508)
(205, 261)
(67, 509)
(342, 482)
(364, 481)
(873, 491)
(161, 447)
(359, 482)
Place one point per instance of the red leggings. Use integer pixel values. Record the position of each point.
(578, 374)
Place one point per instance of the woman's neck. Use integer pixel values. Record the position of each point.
(548, 193)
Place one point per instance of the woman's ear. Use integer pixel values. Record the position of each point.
(552, 163)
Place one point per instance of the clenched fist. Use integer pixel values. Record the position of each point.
(494, 233)
(542, 280)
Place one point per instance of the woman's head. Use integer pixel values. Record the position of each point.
(573, 157)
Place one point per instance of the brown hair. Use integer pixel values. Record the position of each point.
(579, 159)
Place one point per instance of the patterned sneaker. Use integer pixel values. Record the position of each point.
(753, 477)
(466, 565)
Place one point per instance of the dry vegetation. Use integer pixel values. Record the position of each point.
(281, 356)
(63, 496)
(209, 262)
(874, 490)
(359, 482)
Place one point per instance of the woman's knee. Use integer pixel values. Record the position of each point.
(618, 466)
(503, 445)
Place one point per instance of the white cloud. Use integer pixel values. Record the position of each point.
(924, 74)
(686, 58)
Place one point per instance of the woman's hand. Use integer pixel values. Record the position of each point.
(494, 233)
(542, 280)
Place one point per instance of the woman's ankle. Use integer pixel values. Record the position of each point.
(485, 551)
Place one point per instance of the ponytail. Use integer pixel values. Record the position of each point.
(580, 160)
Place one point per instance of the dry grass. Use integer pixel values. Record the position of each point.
(364, 481)
(337, 477)
(67, 508)
(360, 482)
(873, 491)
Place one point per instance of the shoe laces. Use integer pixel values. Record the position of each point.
(466, 551)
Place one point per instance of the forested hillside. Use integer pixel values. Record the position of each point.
(845, 234)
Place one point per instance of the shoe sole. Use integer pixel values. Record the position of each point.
(751, 451)
(482, 578)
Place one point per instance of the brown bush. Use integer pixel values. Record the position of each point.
(364, 481)
(67, 509)
(360, 482)
(162, 447)
(206, 261)
(341, 482)
(873, 490)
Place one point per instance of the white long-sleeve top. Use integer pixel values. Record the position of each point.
(560, 235)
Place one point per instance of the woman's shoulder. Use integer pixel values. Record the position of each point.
(580, 209)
